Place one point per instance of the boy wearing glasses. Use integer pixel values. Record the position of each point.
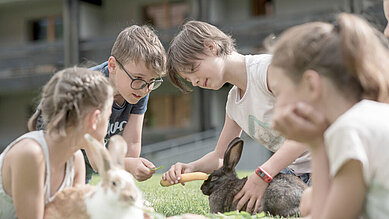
(135, 68)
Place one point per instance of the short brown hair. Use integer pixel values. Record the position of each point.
(188, 45)
(140, 43)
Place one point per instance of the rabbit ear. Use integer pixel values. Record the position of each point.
(104, 160)
(118, 149)
(232, 154)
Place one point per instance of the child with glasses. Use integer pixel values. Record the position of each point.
(135, 68)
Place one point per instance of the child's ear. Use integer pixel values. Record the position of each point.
(112, 65)
(210, 46)
(93, 119)
(312, 84)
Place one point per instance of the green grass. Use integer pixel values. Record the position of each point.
(172, 200)
(176, 199)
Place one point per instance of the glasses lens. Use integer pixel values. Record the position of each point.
(156, 84)
(138, 84)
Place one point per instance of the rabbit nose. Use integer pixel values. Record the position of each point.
(128, 196)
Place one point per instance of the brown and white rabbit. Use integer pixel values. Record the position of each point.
(282, 196)
(116, 196)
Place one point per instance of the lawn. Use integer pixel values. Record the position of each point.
(177, 199)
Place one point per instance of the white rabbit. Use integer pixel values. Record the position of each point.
(116, 196)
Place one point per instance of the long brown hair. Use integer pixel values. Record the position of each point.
(68, 96)
(350, 52)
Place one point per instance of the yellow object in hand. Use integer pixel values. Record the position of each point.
(187, 177)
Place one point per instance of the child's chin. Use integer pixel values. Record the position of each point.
(133, 100)
(217, 87)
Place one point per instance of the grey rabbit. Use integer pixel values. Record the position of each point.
(282, 196)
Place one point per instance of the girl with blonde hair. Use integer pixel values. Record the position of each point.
(38, 164)
(331, 82)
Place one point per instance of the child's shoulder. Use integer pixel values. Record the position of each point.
(259, 59)
(26, 149)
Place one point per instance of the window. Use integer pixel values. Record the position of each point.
(166, 14)
(46, 29)
(262, 7)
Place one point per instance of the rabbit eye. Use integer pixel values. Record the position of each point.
(114, 183)
(214, 178)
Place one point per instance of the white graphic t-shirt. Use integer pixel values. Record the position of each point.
(362, 134)
(253, 112)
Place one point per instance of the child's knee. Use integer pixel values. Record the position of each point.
(305, 204)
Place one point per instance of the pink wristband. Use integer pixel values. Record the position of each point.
(263, 174)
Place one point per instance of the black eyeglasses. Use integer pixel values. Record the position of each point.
(137, 83)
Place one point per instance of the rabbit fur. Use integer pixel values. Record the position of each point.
(116, 196)
(282, 196)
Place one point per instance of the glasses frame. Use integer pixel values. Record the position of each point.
(160, 80)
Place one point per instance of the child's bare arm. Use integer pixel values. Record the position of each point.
(288, 152)
(132, 133)
(230, 131)
(28, 174)
(320, 179)
(346, 194)
(140, 168)
(210, 161)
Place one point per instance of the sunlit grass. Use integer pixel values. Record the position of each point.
(176, 199)
(172, 200)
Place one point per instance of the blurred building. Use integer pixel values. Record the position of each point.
(39, 37)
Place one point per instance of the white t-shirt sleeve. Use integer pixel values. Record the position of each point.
(345, 144)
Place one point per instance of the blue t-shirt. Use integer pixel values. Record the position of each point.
(119, 116)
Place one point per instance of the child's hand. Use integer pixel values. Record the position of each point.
(251, 193)
(300, 122)
(140, 168)
(175, 171)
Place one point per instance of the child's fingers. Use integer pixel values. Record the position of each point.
(278, 122)
(286, 121)
(294, 121)
(147, 163)
(164, 175)
(250, 204)
(172, 174)
(238, 196)
(178, 174)
(241, 202)
(257, 205)
(309, 113)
